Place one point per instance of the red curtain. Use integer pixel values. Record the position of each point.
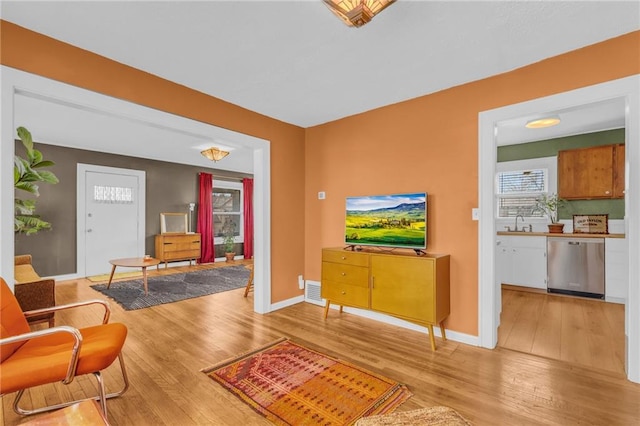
(205, 218)
(247, 186)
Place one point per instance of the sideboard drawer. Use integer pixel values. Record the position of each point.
(344, 256)
(345, 294)
(346, 274)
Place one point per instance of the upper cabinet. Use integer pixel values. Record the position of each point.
(591, 173)
(618, 172)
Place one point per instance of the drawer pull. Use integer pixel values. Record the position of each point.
(344, 258)
(344, 274)
(344, 292)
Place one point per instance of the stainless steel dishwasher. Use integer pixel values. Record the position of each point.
(576, 266)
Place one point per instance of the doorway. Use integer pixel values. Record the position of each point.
(489, 303)
(16, 83)
(111, 217)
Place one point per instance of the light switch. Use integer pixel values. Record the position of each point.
(475, 214)
(321, 195)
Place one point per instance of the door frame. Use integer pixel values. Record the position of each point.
(627, 88)
(13, 81)
(81, 213)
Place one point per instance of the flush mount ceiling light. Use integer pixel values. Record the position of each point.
(356, 13)
(541, 123)
(214, 154)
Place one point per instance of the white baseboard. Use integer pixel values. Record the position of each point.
(387, 319)
(286, 303)
(66, 277)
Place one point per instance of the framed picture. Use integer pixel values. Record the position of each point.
(173, 223)
(591, 224)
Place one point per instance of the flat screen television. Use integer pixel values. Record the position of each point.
(394, 220)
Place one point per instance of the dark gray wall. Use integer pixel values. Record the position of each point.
(169, 188)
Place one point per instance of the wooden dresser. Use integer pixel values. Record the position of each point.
(413, 288)
(170, 247)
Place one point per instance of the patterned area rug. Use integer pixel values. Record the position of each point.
(175, 287)
(292, 385)
(432, 416)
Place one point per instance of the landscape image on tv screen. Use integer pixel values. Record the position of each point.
(396, 220)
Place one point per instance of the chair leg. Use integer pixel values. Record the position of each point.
(249, 284)
(101, 397)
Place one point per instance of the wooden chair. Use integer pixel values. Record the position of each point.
(34, 358)
(250, 280)
(32, 291)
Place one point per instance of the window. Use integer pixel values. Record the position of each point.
(227, 209)
(518, 191)
(520, 183)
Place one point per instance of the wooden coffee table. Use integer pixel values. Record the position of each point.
(134, 262)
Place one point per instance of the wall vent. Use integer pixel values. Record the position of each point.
(312, 293)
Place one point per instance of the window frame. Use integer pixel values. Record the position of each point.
(237, 186)
(550, 164)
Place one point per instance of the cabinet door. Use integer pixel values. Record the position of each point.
(616, 270)
(522, 261)
(529, 267)
(504, 270)
(618, 173)
(403, 286)
(586, 173)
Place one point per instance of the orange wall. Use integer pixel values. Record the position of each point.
(41, 55)
(431, 143)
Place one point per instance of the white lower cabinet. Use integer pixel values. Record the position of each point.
(522, 261)
(616, 269)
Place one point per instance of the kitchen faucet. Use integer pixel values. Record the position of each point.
(519, 216)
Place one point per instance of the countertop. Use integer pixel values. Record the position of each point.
(567, 235)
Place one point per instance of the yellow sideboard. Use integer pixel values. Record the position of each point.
(413, 288)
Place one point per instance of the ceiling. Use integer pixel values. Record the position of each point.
(296, 62)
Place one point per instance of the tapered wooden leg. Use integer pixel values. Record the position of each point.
(249, 281)
(144, 280)
(326, 309)
(341, 308)
(444, 335)
(113, 269)
(432, 337)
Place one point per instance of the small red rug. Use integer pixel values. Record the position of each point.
(293, 385)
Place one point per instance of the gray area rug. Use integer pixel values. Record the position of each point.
(174, 287)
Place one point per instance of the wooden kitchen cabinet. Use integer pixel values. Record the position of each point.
(170, 247)
(406, 286)
(591, 173)
(618, 171)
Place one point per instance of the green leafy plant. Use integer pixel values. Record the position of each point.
(27, 173)
(549, 204)
(228, 233)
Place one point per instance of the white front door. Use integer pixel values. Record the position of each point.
(110, 208)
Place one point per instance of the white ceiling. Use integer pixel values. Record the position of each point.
(296, 62)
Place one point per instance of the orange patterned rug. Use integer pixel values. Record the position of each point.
(293, 385)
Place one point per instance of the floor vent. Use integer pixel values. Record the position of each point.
(312, 293)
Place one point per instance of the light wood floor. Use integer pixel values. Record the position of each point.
(577, 330)
(167, 345)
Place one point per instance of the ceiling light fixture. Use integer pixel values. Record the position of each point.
(541, 123)
(214, 154)
(356, 13)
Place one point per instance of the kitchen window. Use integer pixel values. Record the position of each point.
(519, 183)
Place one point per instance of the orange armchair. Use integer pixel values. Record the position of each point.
(29, 359)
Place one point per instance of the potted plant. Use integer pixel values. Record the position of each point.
(26, 175)
(228, 241)
(549, 204)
